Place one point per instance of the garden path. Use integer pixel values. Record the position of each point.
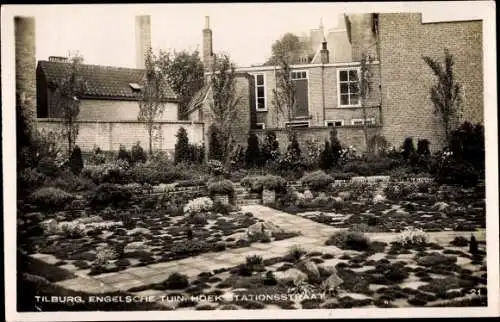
(313, 237)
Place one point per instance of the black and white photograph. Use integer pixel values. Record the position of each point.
(254, 160)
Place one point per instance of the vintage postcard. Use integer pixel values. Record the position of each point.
(257, 160)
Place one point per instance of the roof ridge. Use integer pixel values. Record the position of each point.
(94, 65)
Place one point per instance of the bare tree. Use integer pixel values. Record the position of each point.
(365, 86)
(68, 91)
(224, 103)
(284, 93)
(446, 93)
(154, 92)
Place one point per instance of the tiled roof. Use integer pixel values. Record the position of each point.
(198, 99)
(102, 81)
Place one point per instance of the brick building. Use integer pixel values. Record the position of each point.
(398, 104)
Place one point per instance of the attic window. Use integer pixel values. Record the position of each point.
(135, 87)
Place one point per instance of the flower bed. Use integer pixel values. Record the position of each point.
(155, 230)
(362, 273)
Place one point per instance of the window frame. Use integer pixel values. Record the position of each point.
(256, 92)
(263, 125)
(372, 119)
(339, 100)
(295, 123)
(333, 121)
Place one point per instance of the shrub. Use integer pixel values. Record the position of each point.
(459, 241)
(412, 237)
(49, 198)
(97, 156)
(435, 258)
(215, 148)
(453, 172)
(137, 154)
(253, 263)
(270, 147)
(123, 154)
(293, 149)
(197, 153)
(215, 167)
(294, 254)
(467, 144)
(182, 153)
(114, 172)
(423, 147)
(270, 182)
(176, 281)
(76, 160)
(349, 240)
(109, 194)
(252, 154)
(72, 229)
(104, 255)
(317, 180)
(313, 151)
(408, 148)
(473, 247)
(47, 166)
(222, 187)
(198, 205)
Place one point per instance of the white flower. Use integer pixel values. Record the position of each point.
(198, 205)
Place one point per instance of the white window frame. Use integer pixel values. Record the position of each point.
(256, 91)
(292, 123)
(333, 121)
(339, 101)
(262, 124)
(308, 87)
(372, 119)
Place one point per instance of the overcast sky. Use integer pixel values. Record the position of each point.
(105, 34)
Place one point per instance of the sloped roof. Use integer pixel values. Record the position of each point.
(102, 81)
(198, 99)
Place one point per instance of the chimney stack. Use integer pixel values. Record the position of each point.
(142, 39)
(325, 54)
(24, 34)
(208, 55)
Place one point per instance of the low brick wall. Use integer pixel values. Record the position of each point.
(347, 135)
(109, 135)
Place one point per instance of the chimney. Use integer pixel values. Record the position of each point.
(58, 59)
(325, 54)
(208, 55)
(142, 39)
(24, 33)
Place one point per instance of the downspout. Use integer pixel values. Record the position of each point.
(323, 90)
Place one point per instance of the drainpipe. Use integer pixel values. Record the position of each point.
(323, 90)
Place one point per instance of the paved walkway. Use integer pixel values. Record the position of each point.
(313, 237)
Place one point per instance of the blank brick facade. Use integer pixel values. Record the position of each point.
(406, 79)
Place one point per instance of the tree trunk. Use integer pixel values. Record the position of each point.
(150, 133)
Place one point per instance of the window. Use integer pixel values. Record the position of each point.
(298, 75)
(135, 86)
(260, 92)
(301, 84)
(360, 121)
(334, 123)
(348, 87)
(297, 124)
(260, 126)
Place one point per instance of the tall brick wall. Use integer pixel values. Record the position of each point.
(406, 79)
(24, 33)
(109, 135)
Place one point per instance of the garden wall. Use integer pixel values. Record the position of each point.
(109, 135)
(347, 135)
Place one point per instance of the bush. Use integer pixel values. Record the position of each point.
(222, 187)
(123, 154)
(97, 156)
(317, 180)
(270, 147)
(198, 205)
(467, 144)
(215, 144)
(215, 167)
(412, 237)
(109, 194)
(349, 240)
(76, 160)
(182, 150)
(294, 254)
(115, 172)
(423, 147)
(176, 281)
(252, 154)
(137, 154)
(47, 166)
(453, 172)
(408, 148)
(49, 198)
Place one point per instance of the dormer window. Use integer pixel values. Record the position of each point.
(135, 87)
